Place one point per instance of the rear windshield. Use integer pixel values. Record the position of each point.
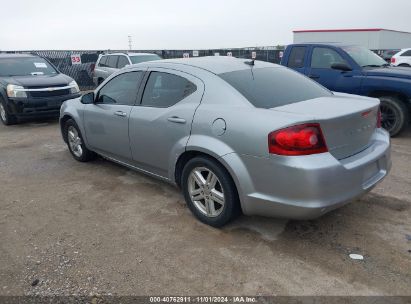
(144, 58)
(23, 66)
(274, 87)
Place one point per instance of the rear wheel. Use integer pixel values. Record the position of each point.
(404, 65)
(394, 114)
(209, 191)
(75, 142)
(5, 117)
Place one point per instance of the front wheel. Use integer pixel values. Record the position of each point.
(76, 144)
(394, 114)
(5, 117)
(209, 191)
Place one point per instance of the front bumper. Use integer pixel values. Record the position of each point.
(38, 107)
(307, 187)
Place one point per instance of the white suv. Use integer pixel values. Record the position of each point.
(107, 64)
(402, 58)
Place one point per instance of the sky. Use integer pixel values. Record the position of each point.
(184, 24)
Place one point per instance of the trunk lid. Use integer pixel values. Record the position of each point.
(347, 121)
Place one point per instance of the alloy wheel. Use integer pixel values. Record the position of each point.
(74, 141)
(388, 117)
(3, 112)
(206, 191)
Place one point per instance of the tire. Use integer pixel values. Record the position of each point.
(5, 117)
(395, 114)
(404, 65)
(212, 213)
(75, 142)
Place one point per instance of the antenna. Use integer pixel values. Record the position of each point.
(130, 42)
(251, 62)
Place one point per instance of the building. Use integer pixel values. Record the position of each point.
(373, 39)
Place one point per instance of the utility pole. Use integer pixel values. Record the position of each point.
(130, 42)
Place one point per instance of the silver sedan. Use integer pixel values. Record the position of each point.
(237, 136)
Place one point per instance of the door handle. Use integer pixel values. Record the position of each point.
(120, 113)
(313, 76)
(177, 120)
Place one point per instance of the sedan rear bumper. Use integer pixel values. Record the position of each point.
(306, 187)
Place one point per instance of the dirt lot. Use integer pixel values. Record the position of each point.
(102, 229)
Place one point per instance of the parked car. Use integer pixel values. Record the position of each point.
(356, 70)
(110, 63)
(30, 86)
(402, 58)
(235, 135)
(387, 55)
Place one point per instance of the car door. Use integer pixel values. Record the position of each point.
(321, 61)
(111, 65)
(404, 58)
(122, 61)
(106, 121)
(161, 125)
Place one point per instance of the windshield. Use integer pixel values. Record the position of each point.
(24, 66)
(274, 87)
(364, 57)
(144, 58)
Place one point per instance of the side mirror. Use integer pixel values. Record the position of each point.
(87, 98)
(341, 67)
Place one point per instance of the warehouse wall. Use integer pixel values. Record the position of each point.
(369, 39)
(394, 40)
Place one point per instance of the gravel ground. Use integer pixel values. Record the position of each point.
(98, 228)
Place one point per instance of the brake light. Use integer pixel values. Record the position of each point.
(379, 118)
(303, 139)
(392, 59)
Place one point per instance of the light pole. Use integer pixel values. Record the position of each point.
(130, 42)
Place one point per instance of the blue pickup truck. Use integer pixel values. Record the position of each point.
(356, 70)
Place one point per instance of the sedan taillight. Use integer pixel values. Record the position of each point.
(392, 59)
(303, 139)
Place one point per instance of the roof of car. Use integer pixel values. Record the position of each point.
(10, 55)
(213, 64)
(338, 44)
(140, 54)
(129, 54)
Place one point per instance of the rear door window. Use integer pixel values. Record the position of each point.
(112, 61)
(164, 90)
(122, 62)
(297, 55)
(406, 53)
(274, 87)
(103, 61)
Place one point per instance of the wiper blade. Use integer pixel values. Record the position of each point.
(375, 65)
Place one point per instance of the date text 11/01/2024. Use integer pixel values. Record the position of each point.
(203, 299)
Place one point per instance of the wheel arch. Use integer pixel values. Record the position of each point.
(406, 100)
(380, 93)
(190, 154)
(63, 121)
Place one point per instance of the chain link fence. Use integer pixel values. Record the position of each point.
(82, 70)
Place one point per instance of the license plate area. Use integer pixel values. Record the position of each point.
(373, 173)
(370, 171)
(53, 103)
